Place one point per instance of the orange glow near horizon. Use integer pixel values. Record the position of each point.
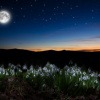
(89, 48)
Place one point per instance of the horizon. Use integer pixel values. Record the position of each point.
(84, 50)
(40, 25)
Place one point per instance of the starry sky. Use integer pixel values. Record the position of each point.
(51, 25)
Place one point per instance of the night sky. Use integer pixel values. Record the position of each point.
(51, 24)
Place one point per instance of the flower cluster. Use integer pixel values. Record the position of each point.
(73, 74)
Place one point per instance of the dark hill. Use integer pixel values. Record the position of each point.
(60, 58)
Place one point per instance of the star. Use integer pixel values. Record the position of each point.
(42, 10)
(14, 22)
(43, 19)
(92, 10)
(76, 6)
(31, 5)
(21, 8)
(54, 14)
(63, 2)
(50, 18)
(62, 13)
(44, 5)
(24, 16)
(57, 7)
(54, 8)
(92, 17)
(46, 20)
(86, 23)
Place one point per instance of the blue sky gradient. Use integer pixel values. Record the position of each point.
(51, 24)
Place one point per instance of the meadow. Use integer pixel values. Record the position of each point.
(39, 83)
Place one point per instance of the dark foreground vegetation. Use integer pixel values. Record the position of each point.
(26, 75)
(48, 83)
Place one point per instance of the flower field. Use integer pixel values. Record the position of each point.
(59, 84)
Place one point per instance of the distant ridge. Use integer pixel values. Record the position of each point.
(84, 50)
(92, 50)
(59, 58)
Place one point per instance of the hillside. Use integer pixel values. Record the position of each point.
(60, 58)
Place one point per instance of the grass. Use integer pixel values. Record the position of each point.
(50, 82)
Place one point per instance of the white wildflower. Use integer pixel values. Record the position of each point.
(76, 84)
(80, 79)
(31, 68)
(73, 74)
(89, 70)
(98, 75)
(84, 73)
(85, 77)
(44, 85)
(2, 70)
(24, 67)
(96, 81)
(66, 67)
(84, 83)
(27, 76)
(34, 75)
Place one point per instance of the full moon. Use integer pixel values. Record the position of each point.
(4, 17)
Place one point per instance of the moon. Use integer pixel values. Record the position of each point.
(5, 17)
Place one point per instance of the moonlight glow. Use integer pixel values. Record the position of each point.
(4, 17)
